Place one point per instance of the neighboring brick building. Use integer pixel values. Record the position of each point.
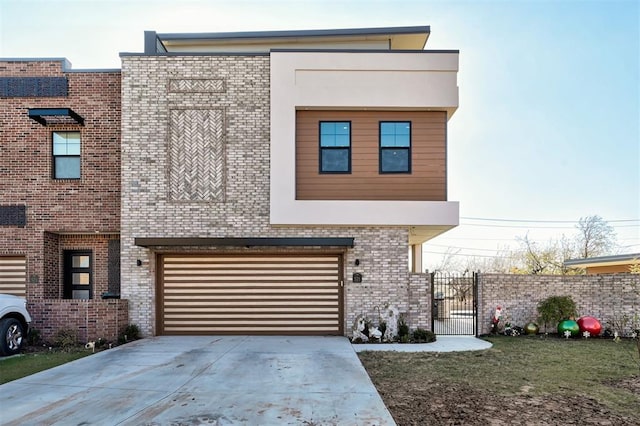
(276, 182)
(60, 194)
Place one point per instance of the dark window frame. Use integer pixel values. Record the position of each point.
(321, 149)
(394, 148)
(54, 156)
(68, 269)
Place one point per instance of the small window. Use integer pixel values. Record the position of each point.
(66, 155)
(395, 147)
(335, 147)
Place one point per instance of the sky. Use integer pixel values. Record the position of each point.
(548, 127)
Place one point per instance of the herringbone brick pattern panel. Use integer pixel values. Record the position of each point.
(193, 85)
(196, 155)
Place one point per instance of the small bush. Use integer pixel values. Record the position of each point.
(33, 337)
(129, 334)
(420, 335)
(403, 328)
(555, 309)
(101, 343)
(382, 327)
(65, 338)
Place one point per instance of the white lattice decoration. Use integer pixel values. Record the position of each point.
(196, 155)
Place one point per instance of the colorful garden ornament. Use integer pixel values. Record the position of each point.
(531, 328)
(590, 324)
(568, 325)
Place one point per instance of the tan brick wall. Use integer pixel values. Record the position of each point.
(600, 296)
(243, 208)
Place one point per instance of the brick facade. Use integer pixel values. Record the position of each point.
(241, 209)
(60, 213)
(602, 296)
(92, 319)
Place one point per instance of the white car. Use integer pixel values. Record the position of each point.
(14, 323)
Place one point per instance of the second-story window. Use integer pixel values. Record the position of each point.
(395, 147)
(66, 155)
(335, 147)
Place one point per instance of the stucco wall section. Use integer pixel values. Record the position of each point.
(148, 211)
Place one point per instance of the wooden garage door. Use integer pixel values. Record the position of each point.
(13, 275)
(249, 295)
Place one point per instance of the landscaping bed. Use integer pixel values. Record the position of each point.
(521, 380)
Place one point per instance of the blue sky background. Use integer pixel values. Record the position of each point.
(548, 127)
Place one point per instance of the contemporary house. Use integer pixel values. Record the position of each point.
(621, 263)
(60, 194)
(277, 182)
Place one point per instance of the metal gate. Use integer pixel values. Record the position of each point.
(455, 306)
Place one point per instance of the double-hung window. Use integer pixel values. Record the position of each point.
(66, 155)
(395, 147)
(335, 147)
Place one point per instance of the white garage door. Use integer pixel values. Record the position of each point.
(13, 275)
(283, 294)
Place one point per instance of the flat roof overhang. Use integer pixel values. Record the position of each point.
(623, 259)
(49, 116)
(244, 242)
(395, 38)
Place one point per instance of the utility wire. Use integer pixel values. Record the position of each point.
(462, 248)
(468, 255)
(541, 221)
(538, 227)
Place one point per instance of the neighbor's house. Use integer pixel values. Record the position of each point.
(606, 264)
(276, 182)
(60, 194)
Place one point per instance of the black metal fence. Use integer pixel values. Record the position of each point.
(455, 304)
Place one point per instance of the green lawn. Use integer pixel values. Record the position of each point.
(19, 366)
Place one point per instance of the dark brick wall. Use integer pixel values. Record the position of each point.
(92, 319)
(90, 205)
(114, 266)
(33, 86)
(13, 215)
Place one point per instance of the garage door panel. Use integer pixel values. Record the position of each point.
(307, 330)
(13, 275)
(288, 294)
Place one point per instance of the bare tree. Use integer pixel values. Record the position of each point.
(448, 262)
(538, 260)
(596, 237)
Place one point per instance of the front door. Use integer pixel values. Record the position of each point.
(78, 276)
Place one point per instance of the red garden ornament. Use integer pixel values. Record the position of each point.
(590, 324)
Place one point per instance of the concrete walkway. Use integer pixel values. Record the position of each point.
(442, 344)
(231, 380)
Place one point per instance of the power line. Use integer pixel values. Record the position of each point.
(538, 227)
(540, 221)
(467, 255)
(460, 248)
(444, 237)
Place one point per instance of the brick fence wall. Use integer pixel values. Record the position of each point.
(92, 319)
(605, 297)
(419, 314)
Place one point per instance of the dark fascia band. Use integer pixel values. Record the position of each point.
(244, 242)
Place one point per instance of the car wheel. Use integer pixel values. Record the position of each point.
(11, 332)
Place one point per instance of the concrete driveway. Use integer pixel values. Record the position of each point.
(214, 380)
